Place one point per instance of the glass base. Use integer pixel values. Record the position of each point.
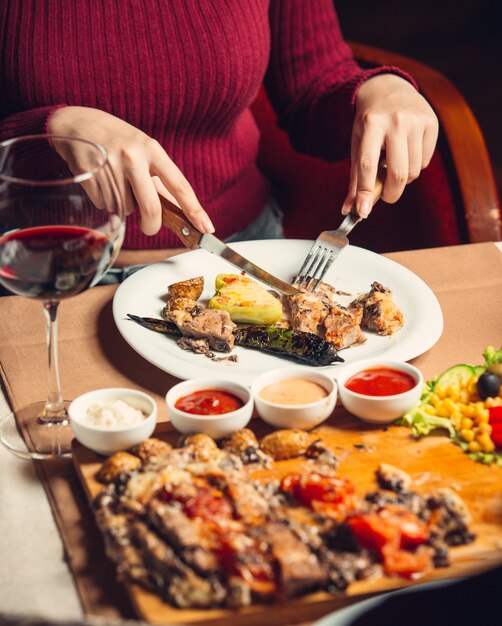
(42, 440)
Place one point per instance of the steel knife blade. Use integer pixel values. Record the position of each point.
(174, 219)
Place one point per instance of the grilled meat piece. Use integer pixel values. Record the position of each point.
(119, 546)
(393, 478)
(197, 346)
(177, 582)
(380, 313)
(318, 452)
(449, 518)
(214, 325)
(308, 312)
(300, 571)
(343, 326)
(347, 567)
(185, 535)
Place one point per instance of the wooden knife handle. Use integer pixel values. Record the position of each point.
(174, 219)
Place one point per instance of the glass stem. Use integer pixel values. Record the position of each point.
(54, 407)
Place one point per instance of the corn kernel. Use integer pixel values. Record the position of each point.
(481, 413)
(469, 410)
(467, 435)
(430, 410)
(474, 446)
(483, 419)
(442, 411)
(433, 399)
(485, 428)
(466, 423)
(441, 393)
(485, 442)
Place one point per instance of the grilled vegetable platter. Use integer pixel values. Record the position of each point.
(309, 328)
(465, 401)
(282, 526)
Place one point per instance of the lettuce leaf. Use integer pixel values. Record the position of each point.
(423, 423)
(492, 356)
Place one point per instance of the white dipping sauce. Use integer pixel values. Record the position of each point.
(112, 414)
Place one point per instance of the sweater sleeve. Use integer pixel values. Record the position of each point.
(312, 78)
(31, 122)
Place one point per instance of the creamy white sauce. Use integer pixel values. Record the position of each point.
(112, 414)
(293, 391)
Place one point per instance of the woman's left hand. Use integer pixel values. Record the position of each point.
(390, 115)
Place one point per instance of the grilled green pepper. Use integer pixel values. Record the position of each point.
(305, 348)
(245, 300)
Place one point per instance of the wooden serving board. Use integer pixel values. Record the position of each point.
(432, 462)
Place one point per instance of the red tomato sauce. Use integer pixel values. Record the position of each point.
(380, 381)
(209, 402)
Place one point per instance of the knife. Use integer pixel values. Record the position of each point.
(174, 219)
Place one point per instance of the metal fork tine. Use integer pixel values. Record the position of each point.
(318, 264)
(326, 267)
(306, 268)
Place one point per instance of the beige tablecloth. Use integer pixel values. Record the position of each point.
(466, 279)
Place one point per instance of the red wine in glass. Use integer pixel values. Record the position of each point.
(52, 262)
(62, 220)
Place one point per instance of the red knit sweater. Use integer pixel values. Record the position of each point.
(185, 72)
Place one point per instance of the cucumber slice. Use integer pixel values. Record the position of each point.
(455, 375)
(479, 369)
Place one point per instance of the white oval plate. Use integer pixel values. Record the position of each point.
(144, 293)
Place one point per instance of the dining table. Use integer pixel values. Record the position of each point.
(52, 565)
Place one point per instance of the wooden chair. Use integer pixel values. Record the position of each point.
(455, 200)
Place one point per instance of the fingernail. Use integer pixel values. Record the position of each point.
(364, 208)
(345, 210)
(207, 225)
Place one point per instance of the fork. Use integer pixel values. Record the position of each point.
(329, 244)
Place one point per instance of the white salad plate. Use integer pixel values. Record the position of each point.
(144, 294)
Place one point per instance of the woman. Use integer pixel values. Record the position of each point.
(165, 87)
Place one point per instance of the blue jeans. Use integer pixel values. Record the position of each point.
(268, 225)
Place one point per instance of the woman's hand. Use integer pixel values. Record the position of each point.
(141, 166)
(392, 116)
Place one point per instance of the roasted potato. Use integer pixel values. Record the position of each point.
(240, 440)
(287, 444)
(118, 463)
(151, 448)
(190, 289)
(204, 446)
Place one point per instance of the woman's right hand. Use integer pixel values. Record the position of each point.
(141, 166)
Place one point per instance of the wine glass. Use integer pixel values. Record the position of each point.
(62, 223)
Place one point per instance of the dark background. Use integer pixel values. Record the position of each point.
(462, 39)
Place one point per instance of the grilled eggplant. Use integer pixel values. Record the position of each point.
(305, 348)
(302, 347)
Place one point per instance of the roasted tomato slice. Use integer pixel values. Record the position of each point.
(318, 491)
(406, 564)
(392, 532)
(204, 502)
